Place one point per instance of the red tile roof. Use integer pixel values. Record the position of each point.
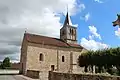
(48, 41)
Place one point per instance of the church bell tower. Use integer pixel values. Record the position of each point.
(68, 33)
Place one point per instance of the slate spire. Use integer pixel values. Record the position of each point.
(67, 20)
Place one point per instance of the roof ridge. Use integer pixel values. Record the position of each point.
(35, 38)
(41, 35)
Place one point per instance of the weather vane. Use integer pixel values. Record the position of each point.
(67, 7)
(117, 22)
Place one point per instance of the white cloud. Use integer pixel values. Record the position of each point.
(99, 1)
(81, 7)
(75, 25)
(74, 9)
(37, 16)
(117, 32)
(87, 16)
(90, 43)
(93, 31)
(91, 37)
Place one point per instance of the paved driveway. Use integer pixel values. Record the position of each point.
(4, 71)
(11, 77)
(15, 77)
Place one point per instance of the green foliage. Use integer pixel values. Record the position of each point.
(102, 59)
(6, 63)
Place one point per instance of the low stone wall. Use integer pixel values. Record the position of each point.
(68, 76)
(33, 74)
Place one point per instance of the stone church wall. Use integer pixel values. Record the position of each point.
(68, 76)
(33, 74)
(52, 56)
(64, 66)
(76, 67)
(22, 69)
(33, 62)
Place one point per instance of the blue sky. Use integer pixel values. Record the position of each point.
(93, 17)
(101, 15)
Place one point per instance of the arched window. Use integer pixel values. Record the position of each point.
(63, 32)
(74, 31)
(70, 31)
(41, 57)
(63, 59)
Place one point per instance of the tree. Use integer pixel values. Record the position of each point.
(103, 60)
(6, 63)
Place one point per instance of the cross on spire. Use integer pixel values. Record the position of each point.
(67, 19)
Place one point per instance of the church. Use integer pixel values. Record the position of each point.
(41, 54)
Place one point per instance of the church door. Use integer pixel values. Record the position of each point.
(52, 67)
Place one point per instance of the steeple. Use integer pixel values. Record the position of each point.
(68, 32)
(67, 20)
